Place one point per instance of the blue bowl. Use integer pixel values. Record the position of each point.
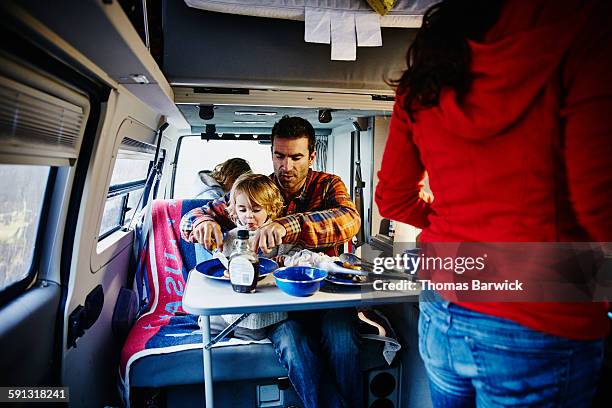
(299, 280)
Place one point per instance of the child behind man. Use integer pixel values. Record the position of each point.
(254, 201)
(215, 184)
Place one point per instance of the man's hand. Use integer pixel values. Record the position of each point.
(208, 233)
(268, 237)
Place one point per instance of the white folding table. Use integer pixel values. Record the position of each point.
(207, 297)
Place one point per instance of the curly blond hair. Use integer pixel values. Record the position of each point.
(261, 191)
(227, 172)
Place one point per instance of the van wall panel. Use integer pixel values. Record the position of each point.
(91, 368)
(27, 330)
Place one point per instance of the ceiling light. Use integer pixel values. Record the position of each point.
(252, 113)
(211, 129)
(325, 116)
(249, 122)
(139, 78)
(206, 112)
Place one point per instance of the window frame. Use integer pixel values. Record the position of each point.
(175, 162)
(105, 247)
(123, 190)
(12, 291)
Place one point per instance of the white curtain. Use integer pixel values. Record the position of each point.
(320, 163)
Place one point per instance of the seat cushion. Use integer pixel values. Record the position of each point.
(167, 350)
(186, 366)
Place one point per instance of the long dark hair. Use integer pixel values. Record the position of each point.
(440, 55)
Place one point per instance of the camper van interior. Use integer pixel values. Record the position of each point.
(110, 112)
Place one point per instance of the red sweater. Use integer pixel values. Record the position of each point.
(526, 157)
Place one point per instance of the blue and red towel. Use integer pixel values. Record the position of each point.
(163, 265)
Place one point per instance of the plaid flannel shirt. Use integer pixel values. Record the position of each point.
(321, 217)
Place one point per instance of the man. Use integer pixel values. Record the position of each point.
(319, 215)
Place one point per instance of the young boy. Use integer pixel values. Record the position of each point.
(254, 201)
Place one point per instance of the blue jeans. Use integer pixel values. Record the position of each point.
(473, 359)
(311, 345)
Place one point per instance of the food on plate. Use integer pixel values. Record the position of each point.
(308, 258)
(355, 278)
(350, 277)
(349, 265)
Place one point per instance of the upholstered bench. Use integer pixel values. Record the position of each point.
(164, 347)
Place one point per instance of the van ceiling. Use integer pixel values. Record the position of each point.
(225, 50)
(225, 118)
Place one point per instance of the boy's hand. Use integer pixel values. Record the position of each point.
(209, 234)
(268, 237)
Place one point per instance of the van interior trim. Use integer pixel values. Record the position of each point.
(108, 246)
(235, 137)
(113, 58)
(223, 130)
(290, 99)
(37, 127)
(33, 119)
(404, 14)
(239, 89)
(136, 145)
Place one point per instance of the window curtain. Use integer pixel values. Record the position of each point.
(320, 163)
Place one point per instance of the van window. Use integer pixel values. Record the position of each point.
(196, 154)
(125, 192)
(22, 194)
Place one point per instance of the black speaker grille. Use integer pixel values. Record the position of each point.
(382, 403)
(382, 385)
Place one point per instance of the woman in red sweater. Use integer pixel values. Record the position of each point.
(506, 107)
